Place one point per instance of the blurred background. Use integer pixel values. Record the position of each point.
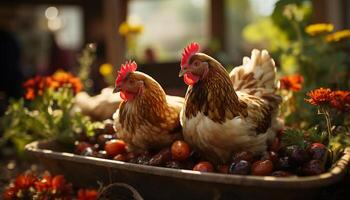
(38, 37)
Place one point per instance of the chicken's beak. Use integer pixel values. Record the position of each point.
(183, 71)
(116, 89)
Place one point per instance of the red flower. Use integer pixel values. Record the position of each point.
(292, 82)
(61, 187)
(340, 100)
(321, 96)
(58, 182)
(10, 193)
(24, 181)
(44, 184)
(87, 194)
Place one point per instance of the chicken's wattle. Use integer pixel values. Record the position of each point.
(127, 96)
(190, 79)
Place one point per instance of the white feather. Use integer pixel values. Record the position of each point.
(220, 140)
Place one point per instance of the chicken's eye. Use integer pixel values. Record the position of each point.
(196, 63)
(130, 81)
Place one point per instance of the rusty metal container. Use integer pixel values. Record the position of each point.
(163, 183)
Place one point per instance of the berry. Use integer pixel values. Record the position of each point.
(284, 163)
(131, 157)
(262, 168)
(103, 138)
(109, 129)
(317, 151)
(271, 155)
(243, 155)
(80, 147)
(195, 156)
(115, 147)
(143, 159)
(242, 167)
(276, 145)
(180, 150)
(224, 169)
(161, 157)
(299, 156)
(313, 167)
(203, 166)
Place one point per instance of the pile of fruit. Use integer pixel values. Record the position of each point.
(282, 161)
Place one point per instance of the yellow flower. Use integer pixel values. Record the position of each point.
(315, 29)
(106, 69)
(136, 29)
(338, 36)
(124, 28)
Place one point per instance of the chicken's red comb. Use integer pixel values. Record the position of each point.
(188, 52)
(125, 69)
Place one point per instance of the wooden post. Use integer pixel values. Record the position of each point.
(326, 11)
(217, 21)
(114, 13)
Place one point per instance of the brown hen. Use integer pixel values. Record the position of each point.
(224, 113)
(147, 118)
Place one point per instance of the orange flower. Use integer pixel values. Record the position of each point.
(64, 78)
(292, 82)
(38, 85)
(51, 83)
(319, 96)
(340, 100)
(87, 194)
(30, 94)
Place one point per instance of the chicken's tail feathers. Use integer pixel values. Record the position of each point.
(257, 76)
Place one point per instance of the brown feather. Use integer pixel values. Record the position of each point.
(150, 115)
(214, 95)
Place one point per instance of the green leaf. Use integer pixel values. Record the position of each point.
(293, 137)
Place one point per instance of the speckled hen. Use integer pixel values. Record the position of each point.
(147, 118)
(225, 113)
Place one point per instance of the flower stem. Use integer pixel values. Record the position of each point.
(324, 111)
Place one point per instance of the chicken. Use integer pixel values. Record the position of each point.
(225, 113)
(146, 118)
(99, 107)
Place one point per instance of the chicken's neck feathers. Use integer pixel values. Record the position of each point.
(214, 96)
(149, 107)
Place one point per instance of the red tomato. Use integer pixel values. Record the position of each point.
(115, 147)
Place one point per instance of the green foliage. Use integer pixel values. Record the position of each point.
(339, 140)
(288, 11)
(302, 138)
(322, 63)
(50, 116)
(85, 61)
(293, 137)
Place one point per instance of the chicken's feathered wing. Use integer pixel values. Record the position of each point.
(257, 77)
